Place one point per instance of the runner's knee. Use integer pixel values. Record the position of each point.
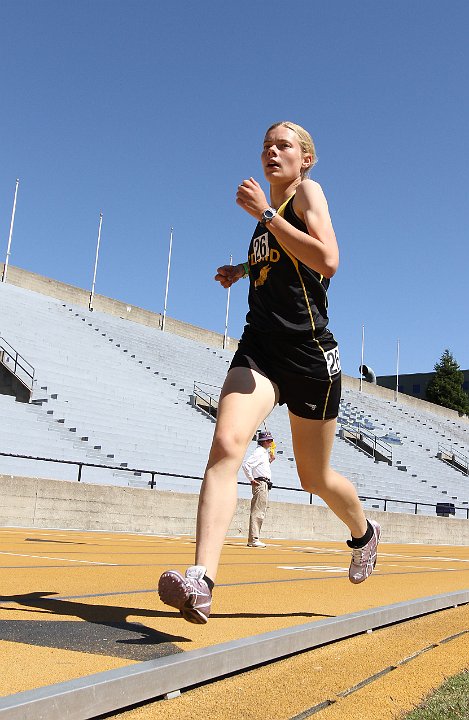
(314, 482)
(228, 446)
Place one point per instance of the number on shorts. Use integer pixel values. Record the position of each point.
(333, 361)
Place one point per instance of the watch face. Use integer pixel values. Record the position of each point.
(268, 215)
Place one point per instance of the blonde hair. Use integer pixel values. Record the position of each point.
(304, 138)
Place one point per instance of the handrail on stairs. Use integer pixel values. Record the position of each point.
(371, 444)
(453, 457)
(206, 400)
(16, 364)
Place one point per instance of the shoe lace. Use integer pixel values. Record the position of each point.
(197, 588)
(357, 556)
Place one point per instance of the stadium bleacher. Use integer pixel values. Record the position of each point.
(110, 391)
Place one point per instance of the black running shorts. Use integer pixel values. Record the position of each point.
(306, 371)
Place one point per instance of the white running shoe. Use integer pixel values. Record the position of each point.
(364, 558)
(190, 594)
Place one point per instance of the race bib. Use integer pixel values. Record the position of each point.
(260, 246)
(333, 361)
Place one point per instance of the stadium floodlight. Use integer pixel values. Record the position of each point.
(5, 266)
(363, 352)
(225, 336)
(397, 370)
(90, 306)
(163, 322)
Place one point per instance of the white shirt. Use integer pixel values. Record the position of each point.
(258, 464)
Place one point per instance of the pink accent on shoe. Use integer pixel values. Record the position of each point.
(190, 594)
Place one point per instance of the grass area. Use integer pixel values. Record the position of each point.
(449, 702)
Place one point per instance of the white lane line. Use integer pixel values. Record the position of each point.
(332, 551)
(313, 568)
(442, 559)
(329, 568)
(47, 557)
(319, 551)
(433, 558)
(423, 568)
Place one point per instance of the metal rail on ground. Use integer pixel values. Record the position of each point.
(114, 690)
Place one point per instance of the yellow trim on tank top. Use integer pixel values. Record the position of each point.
(294, 260)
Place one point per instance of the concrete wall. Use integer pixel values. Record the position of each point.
(42, 503)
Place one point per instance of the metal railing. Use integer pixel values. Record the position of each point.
(205, 400)
(367, 441)
(152, 483)
(16, 364)
(413, 503)
(80, 465)
(454, 458)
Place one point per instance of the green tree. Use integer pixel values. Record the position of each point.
(445, 388)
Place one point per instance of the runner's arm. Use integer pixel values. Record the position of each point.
(318, 247)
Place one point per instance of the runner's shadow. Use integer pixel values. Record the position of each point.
(107, 615)
(112, 614)
(105, 630)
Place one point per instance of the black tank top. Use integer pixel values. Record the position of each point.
(285, 296)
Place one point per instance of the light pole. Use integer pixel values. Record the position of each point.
(167, 279)
(90, 306)
(363, 352)
(5, 267)
(397, 370)
(225, 336)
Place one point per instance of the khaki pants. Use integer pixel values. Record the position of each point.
(260, 494)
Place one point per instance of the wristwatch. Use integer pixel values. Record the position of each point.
(268, 215)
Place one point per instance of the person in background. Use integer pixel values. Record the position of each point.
(257, 470)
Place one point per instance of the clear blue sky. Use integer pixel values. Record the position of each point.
(154, 112)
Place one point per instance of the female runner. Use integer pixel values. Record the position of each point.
(286, 355)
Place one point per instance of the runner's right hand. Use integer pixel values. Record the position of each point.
(229, 274)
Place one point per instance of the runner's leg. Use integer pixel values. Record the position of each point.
(246, 399)
(312, 446)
